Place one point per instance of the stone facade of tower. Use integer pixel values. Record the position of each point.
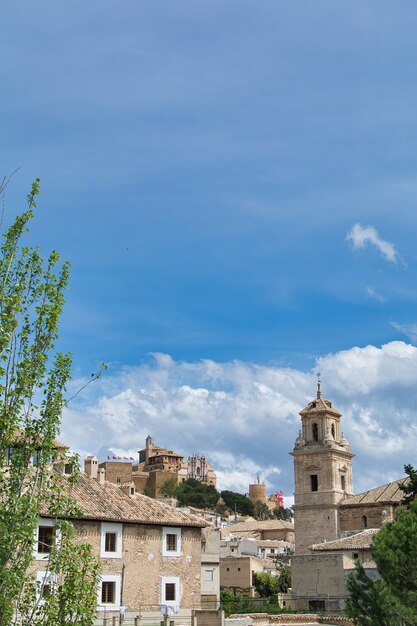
(322, 472)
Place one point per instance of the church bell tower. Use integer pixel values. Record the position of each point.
(322, 472)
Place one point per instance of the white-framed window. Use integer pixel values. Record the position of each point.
(209, 575)
(171, 541)
(45, 537)
(108, 596)
(45, 582)
(111, 540)
(170, 591)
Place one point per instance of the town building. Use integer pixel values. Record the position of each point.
(156, 465)
(277, 529)
(157, 561)
(237, 573)
(333, 526)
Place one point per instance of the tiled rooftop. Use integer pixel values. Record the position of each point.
(359, 541)
(108, 503)
(387, 493)
(269, 524)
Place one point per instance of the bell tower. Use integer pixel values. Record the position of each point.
(322, 473)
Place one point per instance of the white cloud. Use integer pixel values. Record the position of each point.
(244, 416)
(360, 236)
(409, 330)
(373, 293)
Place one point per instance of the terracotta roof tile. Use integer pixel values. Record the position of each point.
(108, 503)
(359, 541)
(258, 526)
(390, 493)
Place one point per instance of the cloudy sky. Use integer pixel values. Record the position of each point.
(235, 186)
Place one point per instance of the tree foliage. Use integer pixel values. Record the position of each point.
(390, 600)
(192, 492)
(169, 487)
(239, 503)
(282, 513)
(410, 486)
(266, 584)
(284, 579)
(33, 379)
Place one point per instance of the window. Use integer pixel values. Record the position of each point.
(315, 432)
(317, 605)
(333, 431)
(227, 569)
(272, 550)
(68, 469)
(209, 575)
(108, 595)
(314, 482)
(170, 590)
(45, 582)
(343, 482)
(108, 592)
(356, 555)
(171, 541)
(111, 540)
(238, 569)
(118, 480)
(44, 539)
(364, 521)
(10, 454)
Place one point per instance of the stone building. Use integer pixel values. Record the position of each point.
(237, 573)
(151, 553)
(278, 529)
(327, 512)
(155, 466)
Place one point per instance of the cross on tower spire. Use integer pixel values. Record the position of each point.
(318, 385)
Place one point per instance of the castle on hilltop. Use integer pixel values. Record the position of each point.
(155, 466)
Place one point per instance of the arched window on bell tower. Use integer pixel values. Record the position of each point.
(364, 521)
(333, 431)
(315, 432)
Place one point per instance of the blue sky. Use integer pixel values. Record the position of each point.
(234, 183)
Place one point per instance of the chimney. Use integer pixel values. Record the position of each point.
(101, 476)
(91, 466)
(128, 489)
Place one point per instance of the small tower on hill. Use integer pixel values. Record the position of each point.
(322, 473)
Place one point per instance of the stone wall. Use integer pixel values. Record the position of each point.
(351, 517)
(142, 564)
(117, 472)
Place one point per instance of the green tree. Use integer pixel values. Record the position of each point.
(238, 502)
(169, 487)
(266, 584)
(33, 379)
(262, 511)
(390, 600)
(195, 493)
(410, 486)
(281, 513)
(284, 579)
